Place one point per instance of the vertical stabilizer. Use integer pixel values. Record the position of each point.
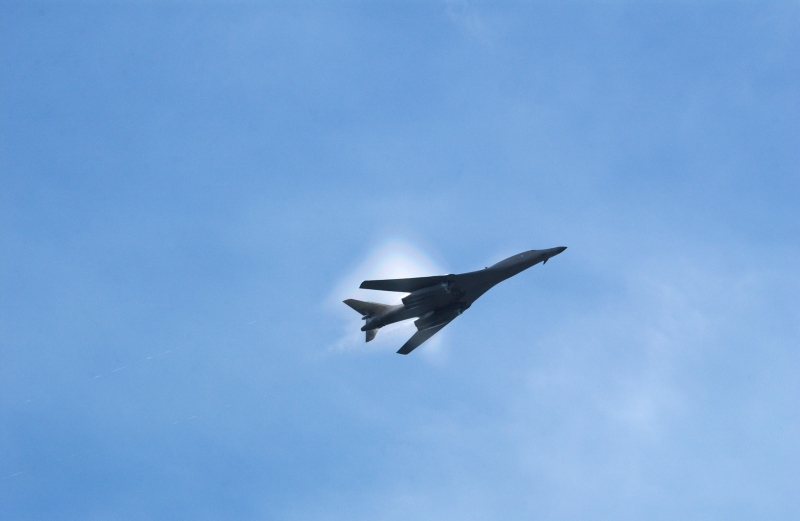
(368, 310)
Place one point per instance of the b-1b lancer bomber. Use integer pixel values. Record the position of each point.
(436, 301)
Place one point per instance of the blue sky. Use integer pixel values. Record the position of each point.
(188, 190)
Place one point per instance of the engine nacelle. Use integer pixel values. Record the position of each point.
(438, 292)
(438, 318)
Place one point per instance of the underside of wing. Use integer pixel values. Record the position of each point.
(405, 285)
(420, 337)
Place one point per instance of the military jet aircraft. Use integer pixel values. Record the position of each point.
(436, 301)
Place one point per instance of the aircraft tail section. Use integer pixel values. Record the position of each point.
(367, 309)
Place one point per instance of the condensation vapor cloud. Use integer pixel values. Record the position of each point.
(393, 259)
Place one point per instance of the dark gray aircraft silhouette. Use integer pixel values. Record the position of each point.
(436, 301)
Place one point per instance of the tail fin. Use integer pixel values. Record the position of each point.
(367, 309)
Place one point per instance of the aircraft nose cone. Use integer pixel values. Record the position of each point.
(560, 249)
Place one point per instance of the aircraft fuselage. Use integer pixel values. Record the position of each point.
(450, 295)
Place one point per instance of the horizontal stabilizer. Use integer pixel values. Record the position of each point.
(404, 285)
(367, 308)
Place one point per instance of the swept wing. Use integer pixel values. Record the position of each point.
(429, 325)
(405, 285)
(419, 337)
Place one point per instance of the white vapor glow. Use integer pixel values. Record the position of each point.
(393, 259)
